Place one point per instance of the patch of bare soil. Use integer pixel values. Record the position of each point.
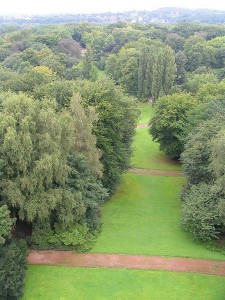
(142, 125)
(145, 262)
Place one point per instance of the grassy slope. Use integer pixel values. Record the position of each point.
(65, 283)
(143, 218)
(147, 154)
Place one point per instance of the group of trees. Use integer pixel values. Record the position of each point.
(203, 163)
(66, 129)
(65, 142)
(144, 69)
(13, 254)
(191, 127)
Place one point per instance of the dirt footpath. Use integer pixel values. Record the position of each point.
(142, 125)
(145, 262)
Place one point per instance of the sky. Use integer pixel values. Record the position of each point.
(24, 7)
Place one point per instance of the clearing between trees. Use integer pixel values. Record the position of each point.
(141, 232)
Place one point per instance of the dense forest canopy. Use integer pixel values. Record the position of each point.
(68, 112)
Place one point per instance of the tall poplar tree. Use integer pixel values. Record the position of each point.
(170, 69)
(157, 81)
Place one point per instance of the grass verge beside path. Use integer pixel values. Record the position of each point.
(147, 154)
(143, 217)
(146, 112)
(67, 283)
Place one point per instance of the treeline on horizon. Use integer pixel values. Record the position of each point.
(167, 15)
(68, 112)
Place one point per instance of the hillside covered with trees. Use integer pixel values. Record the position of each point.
(166, 15)
(68, 112)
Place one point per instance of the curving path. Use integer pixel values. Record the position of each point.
(145, 262)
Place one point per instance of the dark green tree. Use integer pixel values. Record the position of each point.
(115, 128)
(167, 124)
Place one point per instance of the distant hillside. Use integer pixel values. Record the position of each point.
(169, 15)
(175, 15)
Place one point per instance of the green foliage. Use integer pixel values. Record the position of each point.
(61, 91)
(211, 91)
(144, 68)
(169, 70)
(129, 74)
(76, 237)
(5, 223)
(30, 135)
(196, 156)
(55, 151)
(175, 41)
(111, 67)
(203, 164)
(52, 170)
(114, 129)
(12, 269)
(83, 179)
(197, 53)
(168, 122)
(147, 61)
(181, 61)
(89, 71)
(200, 213)
(198, 80)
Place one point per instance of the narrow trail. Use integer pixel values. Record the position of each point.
(156, 172)
(142, 125)
(144, 262)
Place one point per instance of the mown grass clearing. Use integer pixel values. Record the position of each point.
(146, 112)
(67, 283)
(143, 217)
(147, 154)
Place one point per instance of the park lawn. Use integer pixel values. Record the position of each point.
(147, 154)
(68, 283)
(143, 217)
(146, 112)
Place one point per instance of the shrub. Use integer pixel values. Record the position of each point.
(12, 269)
(200, 213)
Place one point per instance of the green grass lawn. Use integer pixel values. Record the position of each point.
(67, 283)
(146, 112)
(147, 154)
(143, 217)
